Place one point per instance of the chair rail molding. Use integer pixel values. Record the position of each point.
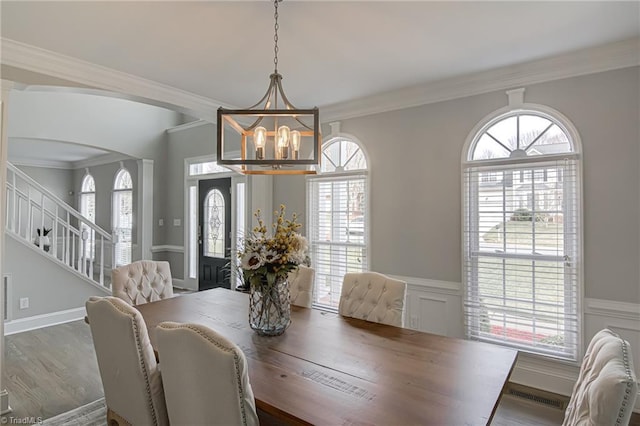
(433, 286)
(167, 248)
(613, 309)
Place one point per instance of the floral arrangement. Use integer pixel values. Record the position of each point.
(271, 257)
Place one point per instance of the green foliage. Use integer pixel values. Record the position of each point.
(557, 340)
(526, 215)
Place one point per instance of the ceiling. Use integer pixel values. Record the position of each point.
(48, 153)
(330, 51)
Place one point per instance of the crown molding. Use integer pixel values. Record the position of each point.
(612, 56)
(35, 59)
(39, 162)
(189, 125)
(112, 157)
(621, 54)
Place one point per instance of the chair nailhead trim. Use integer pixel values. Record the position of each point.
(627, 367)
(143, 364)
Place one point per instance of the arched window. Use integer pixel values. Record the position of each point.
(214, 230)
(88, 210)
(521, 232)
(122, 217)
(338, 218)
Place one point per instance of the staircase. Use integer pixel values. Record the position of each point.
(73, 241)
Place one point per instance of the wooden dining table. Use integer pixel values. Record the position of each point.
(331, 370)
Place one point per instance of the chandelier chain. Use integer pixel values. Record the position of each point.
(275, 36)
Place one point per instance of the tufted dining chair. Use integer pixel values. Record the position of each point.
(301, 286)
(130, 376)
(373, 297)
(142, 281)
(606, 389)
(205, 376)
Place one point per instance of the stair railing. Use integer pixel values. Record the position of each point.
(72, 238)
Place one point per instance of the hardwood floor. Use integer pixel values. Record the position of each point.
(53, 370)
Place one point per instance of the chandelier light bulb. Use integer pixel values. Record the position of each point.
(282, 145)
(259, 140)
(284, 135)
(295, 143)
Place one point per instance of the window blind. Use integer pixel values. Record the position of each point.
(123, 223)
(338, 225)
(521, 247)
(88, 210)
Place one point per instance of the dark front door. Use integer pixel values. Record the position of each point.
(214, 232)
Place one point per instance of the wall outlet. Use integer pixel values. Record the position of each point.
(24, 303)
(177, 222)
(160, 222)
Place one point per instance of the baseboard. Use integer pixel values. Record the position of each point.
(44, 320)
(551, 376)
(179, 283)
(548, 375)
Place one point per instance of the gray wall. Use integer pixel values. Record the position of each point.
(415, 163)
(49, 287)
(283, 187)
(58, 181)
(131, 128)
(191, 142)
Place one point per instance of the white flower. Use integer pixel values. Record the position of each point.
(251, 260)
(270, 256)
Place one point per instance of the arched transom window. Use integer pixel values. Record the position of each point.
(521, 135)
(521, 233)
(338, 218)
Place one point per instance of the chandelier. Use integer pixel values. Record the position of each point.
(271, 136)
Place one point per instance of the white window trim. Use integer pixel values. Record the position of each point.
(81, 198)
(114, 192)
(189, 181)
(337, 134)
(568, 127)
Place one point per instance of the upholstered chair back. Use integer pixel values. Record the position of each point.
(131, 378)
(301, 286)
(373, 297)
(607, 386)
(205, 377)
(142, 282)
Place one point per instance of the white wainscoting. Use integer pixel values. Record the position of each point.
(436, 307)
